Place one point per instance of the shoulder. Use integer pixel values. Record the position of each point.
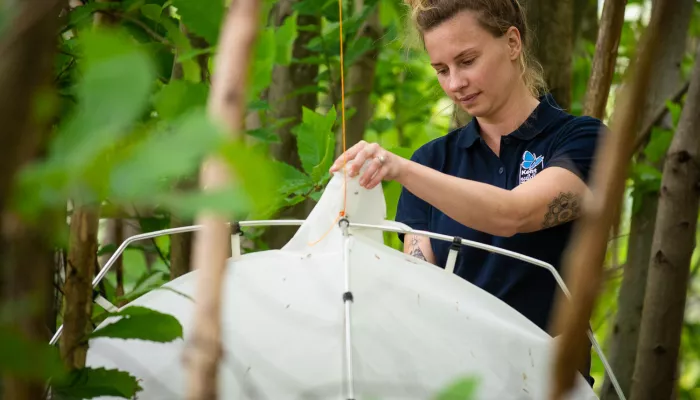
(572, 125)
(436, 149)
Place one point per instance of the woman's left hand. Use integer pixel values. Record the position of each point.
(384, 165)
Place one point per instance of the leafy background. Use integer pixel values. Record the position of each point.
(126, 133)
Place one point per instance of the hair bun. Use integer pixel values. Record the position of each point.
(417, 5)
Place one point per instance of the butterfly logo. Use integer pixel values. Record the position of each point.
(530, 160)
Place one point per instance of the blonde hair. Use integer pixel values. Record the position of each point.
(496, 16)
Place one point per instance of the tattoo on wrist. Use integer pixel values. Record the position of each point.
(564, 208)
(415, 249)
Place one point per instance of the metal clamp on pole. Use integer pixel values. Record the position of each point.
(236, 234)
(452, 255)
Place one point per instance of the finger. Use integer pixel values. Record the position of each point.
(377, 178)
(348, 155)
(368, 151)
(368, 175)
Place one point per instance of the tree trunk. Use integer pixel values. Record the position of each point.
(584, 258)
(28, 45)
(360, 82)
(625, 331)
(212, 245)
(114, 235)
(586, 20)
(27, 257)
(82, 258)
(672, 248)
(605, 58)
(552, 24)
(285, 80)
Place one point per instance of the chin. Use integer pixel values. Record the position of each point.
(475, 110)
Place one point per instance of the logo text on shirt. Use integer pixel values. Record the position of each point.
(530, 166)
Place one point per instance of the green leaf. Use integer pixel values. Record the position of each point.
(151, 11)
(658, 144)
(28, 359)
(285, 36)
(112, 94)
(141, 323)
(89, 383)
(203, 17)
(228, 201)
(358, 48)
(293, 180)
(316, 142)
(265, 134)
(255, 174)
(165, 156)
(675, 110)
(462, 389)
(263, 63)
(179, 97)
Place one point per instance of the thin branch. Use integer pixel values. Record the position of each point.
(126, 17)
(657, 116)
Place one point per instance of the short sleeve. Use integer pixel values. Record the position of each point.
(576, 146)
(411, 210)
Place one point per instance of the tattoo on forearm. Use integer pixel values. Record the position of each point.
(564, 208)
(415, 249)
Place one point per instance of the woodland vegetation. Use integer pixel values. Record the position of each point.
(130, 116)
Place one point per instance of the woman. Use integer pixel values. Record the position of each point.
(514, 177)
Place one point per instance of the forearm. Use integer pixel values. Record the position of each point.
(419, 247)
(480, 206)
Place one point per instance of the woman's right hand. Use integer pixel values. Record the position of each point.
(384, 165)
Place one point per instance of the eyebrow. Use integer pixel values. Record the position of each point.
(460, 55)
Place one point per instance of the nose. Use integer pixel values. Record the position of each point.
(457, 81)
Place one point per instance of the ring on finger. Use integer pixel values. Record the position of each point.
(381, 158)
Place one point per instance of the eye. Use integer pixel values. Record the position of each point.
(468, 61)
(441, 71)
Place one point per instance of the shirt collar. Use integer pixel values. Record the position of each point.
(544, 114)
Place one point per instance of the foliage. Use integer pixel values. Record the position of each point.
(126, 130)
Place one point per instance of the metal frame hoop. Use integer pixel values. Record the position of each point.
(296, 222)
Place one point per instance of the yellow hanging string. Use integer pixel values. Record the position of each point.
(342, 104)
(342, 119)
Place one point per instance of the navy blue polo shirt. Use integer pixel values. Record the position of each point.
(549, 138)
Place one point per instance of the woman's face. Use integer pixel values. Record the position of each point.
(477, 70)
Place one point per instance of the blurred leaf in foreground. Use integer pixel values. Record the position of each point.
(89, 383)
(141, 323)
(462, 389)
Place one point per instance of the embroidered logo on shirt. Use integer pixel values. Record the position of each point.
(531, 165)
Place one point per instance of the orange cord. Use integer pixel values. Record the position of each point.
(342, 111)
(342, 105)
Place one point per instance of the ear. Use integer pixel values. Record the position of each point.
(514, 42)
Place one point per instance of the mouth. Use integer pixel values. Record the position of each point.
(468, 98)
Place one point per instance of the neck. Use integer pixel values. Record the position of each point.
(509, 116)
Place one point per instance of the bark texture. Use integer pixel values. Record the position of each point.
(360, 82)
(583, 261)
(80, 268)
(286, 80)
(551, 21)
(625, 331)
(605, 58)
(27, 45)
(672, 248)
(212, 245)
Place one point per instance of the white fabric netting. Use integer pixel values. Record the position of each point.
(415, 328)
